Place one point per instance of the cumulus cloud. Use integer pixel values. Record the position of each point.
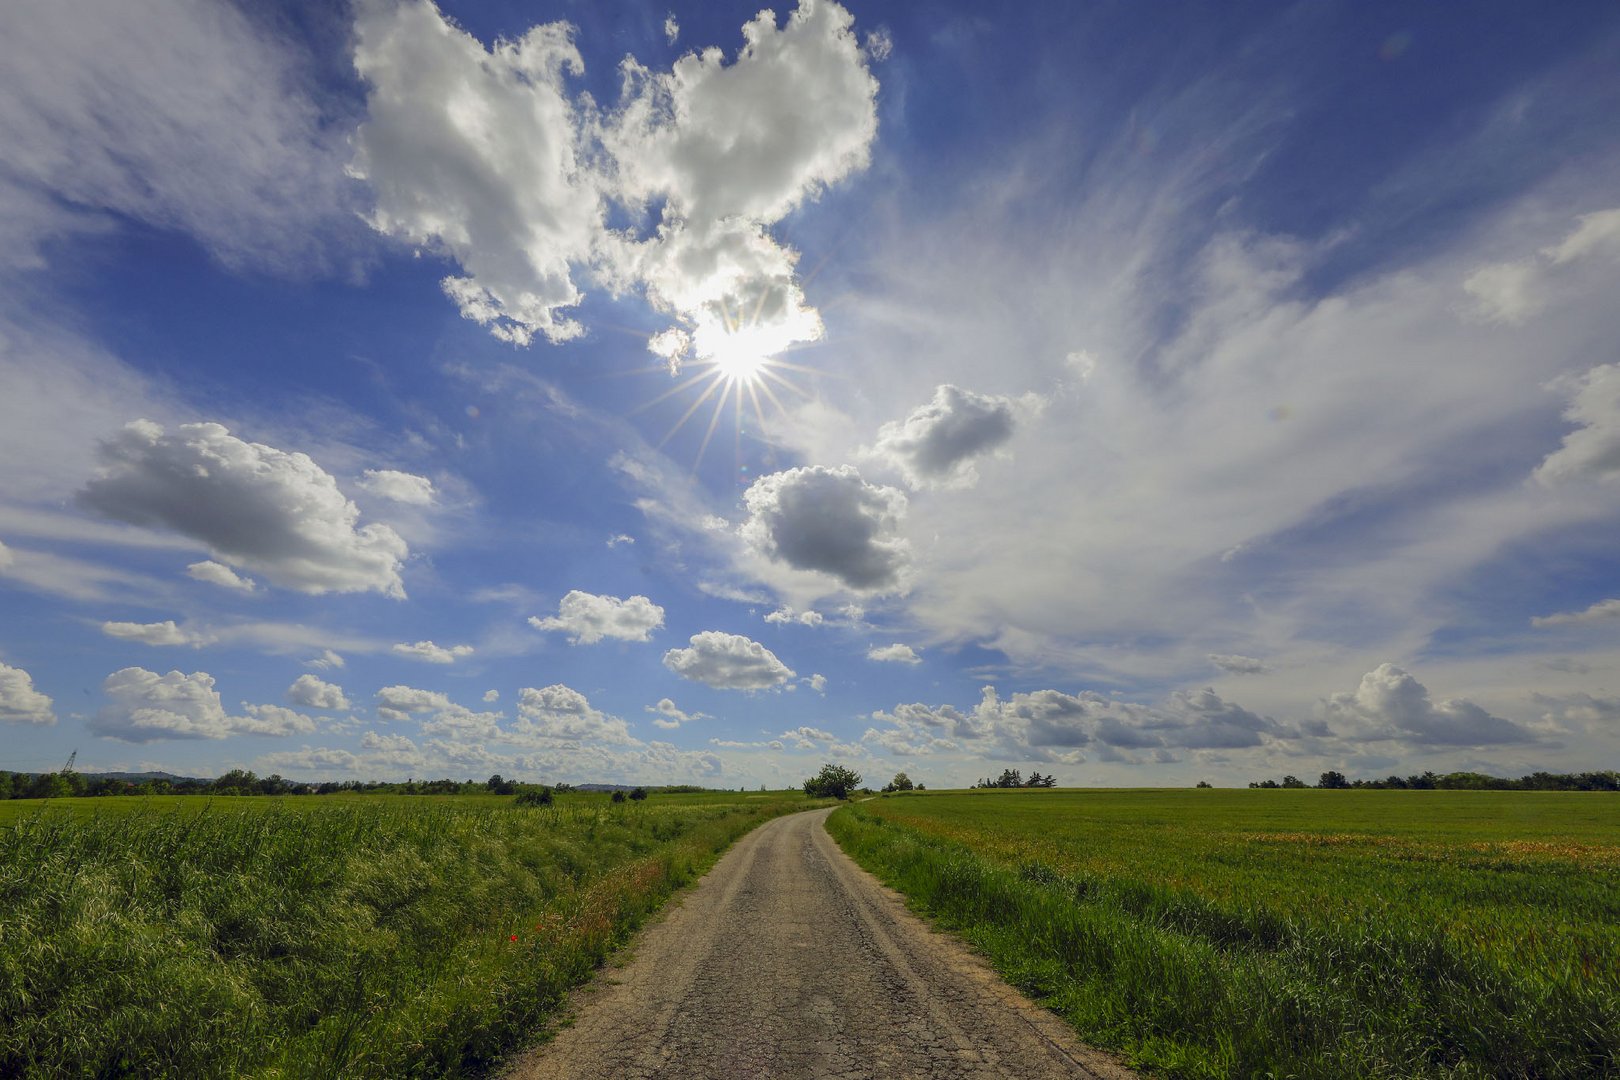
(832, 522)
(158, 633)
(588, 618)
(20, 703)
(219, 574)
(428, 652)
(728, 662)
(1601, 611)
(327, 660)
(492, 695)
(403, 702)
(1515, 292)
(146, 707)
(474, 153)
(785, 614)
(1054, 726)
(672, 28)
(254, 506)
(315, 693)
(893, 654)
(1592, 451)
(818, 683)
(561, 712)
(620, 538)
(1391, 704)
(484, 155)
(1236, 664)
(400, 487)
(666, 715)
(936, 445)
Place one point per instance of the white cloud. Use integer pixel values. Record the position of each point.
(473, 152)
(1593, 449)
(588, 618)
(818, 683)
(1601, 611)
(158, 633)
(327, 661)
(219, 574)
(879, 44)
(315, 693)
(270, 720)
(785, 614)
(6, 558)
(1515, 292)
(181, 114)
(403, 702)
(829, 521)
(561, 712)
(893, 654)
(666, 715)
(484, 155)
(672, 28)
(620, 538)
(147, 706)
(401, 487)
(492, 695)
(727, 662)
(274, 512)
(20, 703)
(935, 446)
(1236, 664)
(732, 149)
(428, 652)
(1392, 705)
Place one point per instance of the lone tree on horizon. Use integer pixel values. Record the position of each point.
(832, 782)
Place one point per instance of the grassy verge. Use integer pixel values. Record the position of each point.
(1243, 935)
(397, 938)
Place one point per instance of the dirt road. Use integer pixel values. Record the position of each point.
(788, 960)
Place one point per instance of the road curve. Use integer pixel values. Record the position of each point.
(788, 960)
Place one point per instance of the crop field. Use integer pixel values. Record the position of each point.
(323, 936)
(1292, 933)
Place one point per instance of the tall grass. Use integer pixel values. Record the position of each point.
(1171, 930)
(362, 939)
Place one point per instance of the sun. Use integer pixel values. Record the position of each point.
(736, 366)
(741, 356)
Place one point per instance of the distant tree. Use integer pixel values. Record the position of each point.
(6, 785)
(49, 786)
(1292, 781)
(639, 794)
(1423, 782)
(235, 782)
(1206, 783)
(534, 798)
(901, 782)
(499, 786)
(618, 796)
(832, 782)
(1332, 779)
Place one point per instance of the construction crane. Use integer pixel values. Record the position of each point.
(71, 759)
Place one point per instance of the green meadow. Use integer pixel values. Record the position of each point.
(1292, 933)
(364, 936)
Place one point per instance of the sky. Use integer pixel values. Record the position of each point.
(615, 392)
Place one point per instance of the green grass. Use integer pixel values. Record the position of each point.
(322, 936)
(1285, 933)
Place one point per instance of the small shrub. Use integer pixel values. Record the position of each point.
(534, 798)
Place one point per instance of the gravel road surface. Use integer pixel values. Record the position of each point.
(788, 960)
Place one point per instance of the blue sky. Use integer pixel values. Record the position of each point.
(617, 392)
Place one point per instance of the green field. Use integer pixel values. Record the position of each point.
(1284, 933)
(322, 936)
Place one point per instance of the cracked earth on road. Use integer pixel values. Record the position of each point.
(788, 960)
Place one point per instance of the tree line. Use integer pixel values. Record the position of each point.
(1011, 778)
(1458, 781)
(68, 784)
